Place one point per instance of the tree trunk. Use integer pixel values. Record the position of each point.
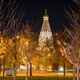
(27, 71)
(64, 67)
(15, 71)
(73, 72)
(30, 69)
(3, 69)
(78, 73)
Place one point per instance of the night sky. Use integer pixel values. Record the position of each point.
(35, 10)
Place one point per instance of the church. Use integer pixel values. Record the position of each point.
(45, 36)
(45, 43)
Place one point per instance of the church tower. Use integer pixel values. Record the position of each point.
(45, 37)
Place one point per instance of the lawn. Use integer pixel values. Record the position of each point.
(39, 78)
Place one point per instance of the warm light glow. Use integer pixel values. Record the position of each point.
(26, 43)
(45, 17)
(17, 37)
(22, 67)
(49, 55)
(61, 69)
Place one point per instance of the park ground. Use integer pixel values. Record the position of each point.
(41, 76)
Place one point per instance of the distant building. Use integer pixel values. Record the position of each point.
(45, 36)
(45, 42)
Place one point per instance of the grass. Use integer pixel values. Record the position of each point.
(39, 78)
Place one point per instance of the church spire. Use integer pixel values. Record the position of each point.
(45, 12)
(45, 25)
(45, 33)
(45, 17)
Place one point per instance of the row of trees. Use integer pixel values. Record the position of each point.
(13, 42)
(70, 43)
(18, 43)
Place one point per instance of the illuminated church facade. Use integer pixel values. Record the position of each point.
(45, 36)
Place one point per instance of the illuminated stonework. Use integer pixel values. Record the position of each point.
(45, 37)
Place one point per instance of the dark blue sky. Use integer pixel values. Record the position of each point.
(35, 11)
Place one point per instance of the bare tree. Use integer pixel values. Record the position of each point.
(11, 16)
(71, 50)
(77, 1)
